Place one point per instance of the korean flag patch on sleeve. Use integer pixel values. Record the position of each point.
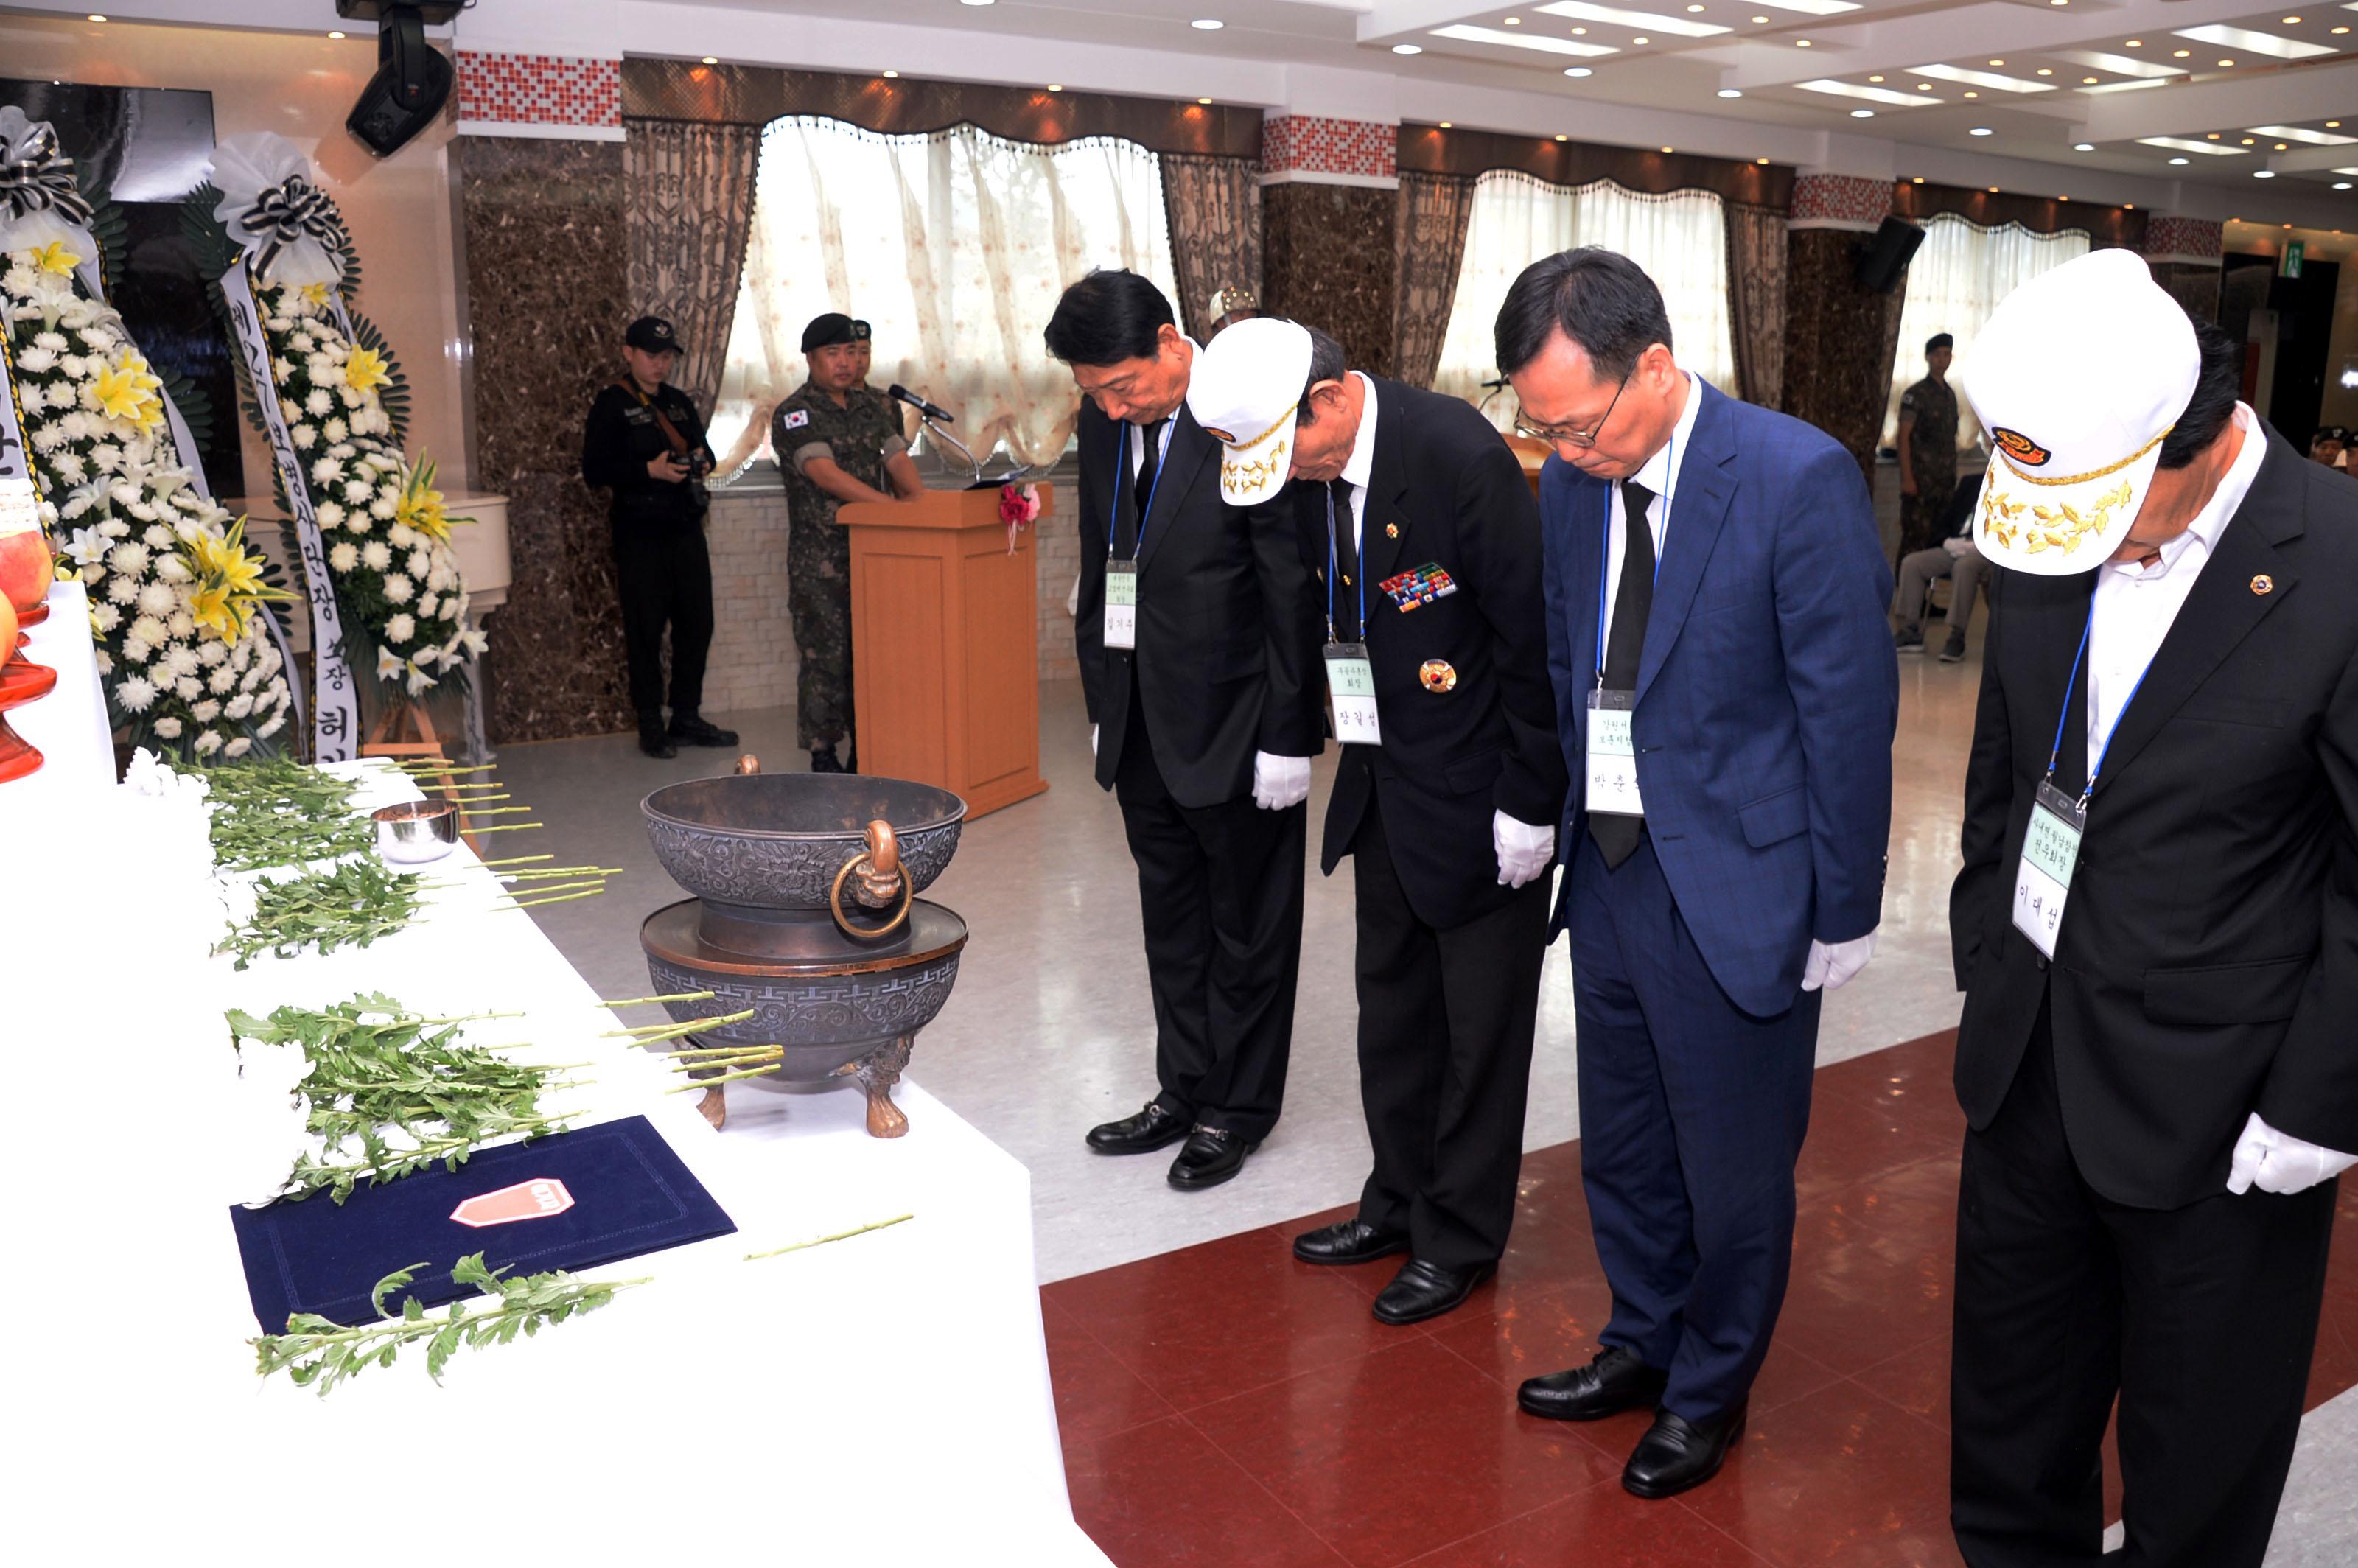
(794, 418)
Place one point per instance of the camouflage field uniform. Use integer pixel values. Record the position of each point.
(859, 436)
(1933, 450)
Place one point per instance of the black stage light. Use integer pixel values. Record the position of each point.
(412, 80)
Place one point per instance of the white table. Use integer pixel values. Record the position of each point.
(69, 726)
(883, 1400)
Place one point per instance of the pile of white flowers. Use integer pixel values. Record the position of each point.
(381, 520)
(174, 595)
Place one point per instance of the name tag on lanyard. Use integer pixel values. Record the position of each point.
(2051, 844)
(1121, 604)
(1612, 753)
(1351, 687)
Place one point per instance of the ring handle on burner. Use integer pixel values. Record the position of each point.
(881, 880)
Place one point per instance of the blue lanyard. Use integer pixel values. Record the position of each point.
(1334, 570)
(1121, 451)
(2096, 759)
(1604, 550)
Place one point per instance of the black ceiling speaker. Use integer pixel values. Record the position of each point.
(412, 80)
(1883, 259)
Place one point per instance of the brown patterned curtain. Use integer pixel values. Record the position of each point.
(1213, 205)
(688, 210)
(1756, 299)
(1430, 239)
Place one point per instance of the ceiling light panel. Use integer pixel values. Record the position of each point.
(1582, 11)
(2126, 86)
(1870, 94)
(2119, 64)
(2294, 134)
(1466, 34)
(2254, 43)
(1827, 7)
(1983, 79)
(2180, 145)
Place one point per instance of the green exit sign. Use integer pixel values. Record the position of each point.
(2289, 265)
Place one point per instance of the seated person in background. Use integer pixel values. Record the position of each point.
(1230, 305)
(1953, 557)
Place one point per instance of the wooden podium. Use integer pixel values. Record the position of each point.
(945, 646)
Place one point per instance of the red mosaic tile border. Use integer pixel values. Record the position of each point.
(1306, 143)
(539, 90)
(1830, 198)
(2198, 238)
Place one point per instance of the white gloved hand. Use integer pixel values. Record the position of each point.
(2278, 1163)
(1525, 851)
(1280, 781)
(1093, 740)
(1834, 967)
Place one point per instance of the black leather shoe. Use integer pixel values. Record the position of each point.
(825, 760)
(1678, 1455)
(1422, 1290)
(1211, 1155)
(1349, 1241)
(697, 732)
(1614, 1380)
(1152, 1129)
(654, 742)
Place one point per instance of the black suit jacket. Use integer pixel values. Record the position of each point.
(2207, 965)
(1227, 620)
(1447, 490)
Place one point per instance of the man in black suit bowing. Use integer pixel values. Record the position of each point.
(2157, 933)
(1450, 784)
(1196, 629)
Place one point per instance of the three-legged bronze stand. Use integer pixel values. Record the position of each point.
(878, 1074)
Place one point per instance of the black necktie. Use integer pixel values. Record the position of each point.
(1141, 489)
(1625, 647)
(1347, 552)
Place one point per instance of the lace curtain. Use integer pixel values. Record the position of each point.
(689, 188)
(1960, 273)
(1680, 239)
(953, 246)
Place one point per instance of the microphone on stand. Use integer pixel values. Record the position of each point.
(903, 394)
(1493, 385)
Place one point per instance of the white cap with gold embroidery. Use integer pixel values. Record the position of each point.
(1245, 390)
(2078, 376)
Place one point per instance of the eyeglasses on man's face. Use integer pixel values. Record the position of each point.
(1564, 435)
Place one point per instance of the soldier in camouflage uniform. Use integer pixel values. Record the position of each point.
(1928, 451)
(834, 443)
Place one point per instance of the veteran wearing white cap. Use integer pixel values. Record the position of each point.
(2157, 931)
(1450, 781)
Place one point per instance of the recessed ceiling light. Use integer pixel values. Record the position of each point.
(1561, 137)
(1669, 150)
(1917, 179)
(1730, 93)
(2247, 141)
(1692, 10)
(1514, 21)
(1981, 131)
(2179, 162)
(2046, 70)
(1862, 113)
(1993, 191)
(1203, 100)
(1875, 79)
(2341, 185)
(2292, 21)
(2062, 198)
(1579, 32)
(2283, 148)
(2128, 206)
(1408, 48)
(892, 75)
(974, 2)
(2263, 174)
(1207, 24)
(2087, 82)
(1759, 19)
(1641, 40)
(2136, 43)
(2214, 135)
(1577, 70)
(1765, 160)
(2083, 147)
(1586, 11)
(1997, 62)
(2255, 43)
(2339, 31)
(1059, 87)
(712, 59)
(1448, 125)
(1800, 43)
(1465, 33)
(98, 16)
(335, 34)
(1984, 78)
(1813, 7)
(1973, 95)
(2227, 62)
(2179, 54)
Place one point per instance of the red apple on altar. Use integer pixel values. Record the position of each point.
(25, 567)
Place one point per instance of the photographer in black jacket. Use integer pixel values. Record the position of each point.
(645, 442)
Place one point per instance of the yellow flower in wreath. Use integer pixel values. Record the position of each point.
(365, 370)
(54, 257)
(316, 295)
(130, 392)
(226, 582)
(421, 504)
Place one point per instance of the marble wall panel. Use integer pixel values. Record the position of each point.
(1328, 259)
(545, 260)
(1839, 340)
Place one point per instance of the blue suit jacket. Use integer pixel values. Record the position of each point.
(1766, 696)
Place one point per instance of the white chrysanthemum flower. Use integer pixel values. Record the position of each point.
(76, 365)
(189, 689)
(306, 437)
(326, 470)
(158, 599)
(104, 618)
(382, 508)
(182, 659)
(239, 747)
(115, 529)
(269, 659)
(419, 562)
(222, 682)
(286, 406)
(122, 590)
(399, 589)
(181, 623)
(157, 537)
(400, 629)
(172, 569)
(136, 648)
(351, 397)
(47, 438)
(208, 742)
(76, 426)
(168, 728)
(206, 711)
(329, 514)
(254, 678)
(429, 607)
(238, 706)
(319, 401)
(275, 723)
(282, 370)
(242, 654)
(53, 341)
(344, 556)
(376, 555)
(129, 558)
(428, 657)
(107, 457)
(359, 492)
(121, 491)
(150, 630)
(105, 664)
(213, 655)
(36, 360)
(136, 694)
(69, 467)
(336, 428)
(402, 534)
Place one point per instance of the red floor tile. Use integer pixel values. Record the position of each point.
(1839, 1477)
(1857, 1137)
(1097, 1396)
(1603, 1527)
(1162, 1494)
(2334, 1365)
(1399, 1453)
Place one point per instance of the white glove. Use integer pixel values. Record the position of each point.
(1093, 740)
(2276, 1163)
(1834, 967)
(1524, 851)
(1280, 781)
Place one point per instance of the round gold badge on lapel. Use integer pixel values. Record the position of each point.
(2264, 584)
(1391, 530)
(1437, 675)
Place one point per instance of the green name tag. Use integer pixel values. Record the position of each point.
(1612, 756)
(1351, 689)
(1121, 604)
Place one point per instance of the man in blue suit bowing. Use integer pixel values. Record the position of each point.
(1725, 695)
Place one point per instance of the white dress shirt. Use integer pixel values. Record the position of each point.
(1360, 466)
(1659, 473)
(2136, 604)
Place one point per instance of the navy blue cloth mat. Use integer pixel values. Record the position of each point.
(593, 1196)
